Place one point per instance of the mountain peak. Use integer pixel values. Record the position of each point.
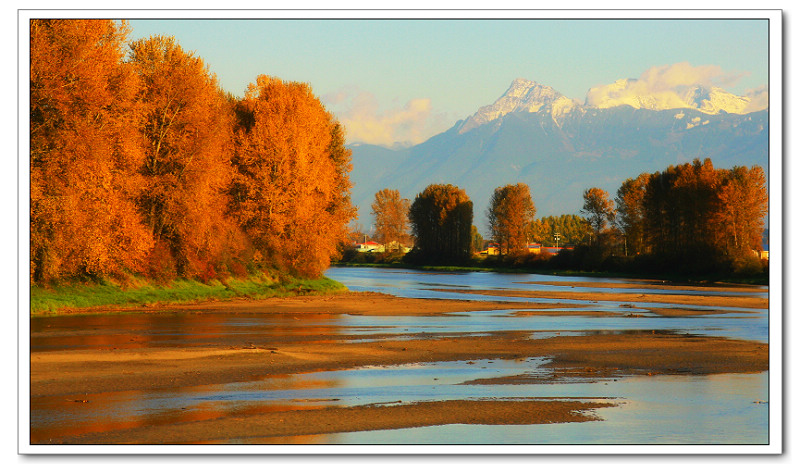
(522, 95)
(640, 95)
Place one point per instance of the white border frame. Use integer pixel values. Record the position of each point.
(776, 169)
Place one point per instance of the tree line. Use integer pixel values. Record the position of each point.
(690, 217)
(141, 165)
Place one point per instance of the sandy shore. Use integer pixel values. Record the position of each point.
(73, 377)
(362, 303)
(704, 300)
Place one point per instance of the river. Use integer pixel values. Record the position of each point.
(651, 410)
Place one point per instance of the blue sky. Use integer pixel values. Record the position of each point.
(405, 80)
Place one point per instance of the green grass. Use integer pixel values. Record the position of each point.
(81, 297)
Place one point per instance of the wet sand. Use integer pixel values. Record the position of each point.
(362, 303)
(82, 375)
(650, 284)
(705, 300)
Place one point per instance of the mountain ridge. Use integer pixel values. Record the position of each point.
(536, 135)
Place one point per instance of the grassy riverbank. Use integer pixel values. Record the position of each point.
(84, 296)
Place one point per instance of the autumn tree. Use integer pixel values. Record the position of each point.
(541, 230)
(187, 124)
(291, 188)
(630, 212)
(679, 205)
(741, 207)
(572, 229)
(85, 152)
(391, 217)
(511, 211)
(598, 208)
(476, 240)
(441, 221)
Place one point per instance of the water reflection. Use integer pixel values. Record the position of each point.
(659, 409)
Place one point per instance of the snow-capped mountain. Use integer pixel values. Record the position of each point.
(559, 147)
(522, 96)
(709, 100)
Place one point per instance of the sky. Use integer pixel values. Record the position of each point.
(393, 80)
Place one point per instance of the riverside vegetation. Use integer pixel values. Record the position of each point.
(146, 176)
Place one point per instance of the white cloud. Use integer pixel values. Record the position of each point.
(661, 87)
(759, 99)
(366, 122)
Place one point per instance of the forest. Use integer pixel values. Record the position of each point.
(142, 166)
(687, 219)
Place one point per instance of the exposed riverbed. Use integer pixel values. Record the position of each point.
(415, 357)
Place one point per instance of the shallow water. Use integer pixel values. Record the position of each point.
(748, 324)
(719, 409)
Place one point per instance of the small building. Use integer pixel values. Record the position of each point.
(535, 248)
(491, 249)
(370, 247)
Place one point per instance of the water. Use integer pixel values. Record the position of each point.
(745, 324)
(706, 410)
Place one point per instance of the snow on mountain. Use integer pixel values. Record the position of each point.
(522, 96)
(640, 95)
(532, 97)
(559, 147)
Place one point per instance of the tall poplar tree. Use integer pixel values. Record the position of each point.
(441, 222)
(85, 152)
(742, 206)
(630, 212)
(511, 212)
(598, 208)
(187, 124)
(291, 190)
(391, 216)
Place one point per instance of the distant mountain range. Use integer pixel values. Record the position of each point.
(560, 147)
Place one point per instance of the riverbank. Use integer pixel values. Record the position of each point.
(122, 361)
(77, 297)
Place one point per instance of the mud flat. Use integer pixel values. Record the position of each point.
(744, 302)
(71, 376)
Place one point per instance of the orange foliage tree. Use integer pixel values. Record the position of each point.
(742, 206)
(598, 208)
(630, 212)
(291, 187)
(85, 152)
(391, 217)
(187, 124)
(700, 216)
(511, 212)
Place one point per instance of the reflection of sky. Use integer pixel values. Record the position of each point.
(747, 324)
(719, 409)
(410, 283)
(715, 409)
(658, 409)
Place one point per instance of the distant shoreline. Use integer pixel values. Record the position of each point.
(674, 278)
